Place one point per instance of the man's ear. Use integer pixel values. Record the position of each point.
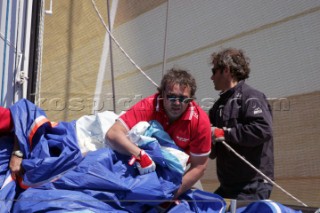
(226, 71)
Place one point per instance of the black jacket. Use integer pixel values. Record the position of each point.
(247, 117)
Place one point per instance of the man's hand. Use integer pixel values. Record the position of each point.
(15, 166)
(144, 163)
(217, 134)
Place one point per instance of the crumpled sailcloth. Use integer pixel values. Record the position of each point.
(69, 168)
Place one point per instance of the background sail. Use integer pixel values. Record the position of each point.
(82, 73)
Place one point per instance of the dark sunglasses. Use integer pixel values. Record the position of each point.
(181, 98)
(214, 69)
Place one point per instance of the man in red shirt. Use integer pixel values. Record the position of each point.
(186, 123)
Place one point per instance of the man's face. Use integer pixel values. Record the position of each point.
(219, 78)
(176, 99)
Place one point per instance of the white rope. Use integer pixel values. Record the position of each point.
(261, 173)
(117, 43)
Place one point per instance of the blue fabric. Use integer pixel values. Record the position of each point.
(7, 192)
(201, 202)
(106, 176)
(54, 167)
(182, 207)
(266, 206)
(102, 181)
(6, 145)
(54, 150)
(38, 200)
(156, 131)
(7, 195)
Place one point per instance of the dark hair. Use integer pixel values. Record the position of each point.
(178, 76)
(235, 59)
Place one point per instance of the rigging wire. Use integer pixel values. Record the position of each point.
(111, 62)
(17, 56)
(224, 143)
(261, 173)
(7, 41)
(165, 40)
(117, 43)
(5, 53)
(40, 51)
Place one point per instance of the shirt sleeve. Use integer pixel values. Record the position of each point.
(141, 111)
(256, 125)
(200, 144)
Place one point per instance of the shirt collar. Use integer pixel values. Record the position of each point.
(231, 91)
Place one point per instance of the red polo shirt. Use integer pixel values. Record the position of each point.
(5, 120)
(191, 132)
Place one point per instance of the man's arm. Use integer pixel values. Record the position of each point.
(16, 161)
(118, 140)
(256, 125)
(117, 137)
(194, 173)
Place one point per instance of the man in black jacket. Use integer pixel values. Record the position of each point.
(242, 118)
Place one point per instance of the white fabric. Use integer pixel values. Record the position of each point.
(91, 130)
(180, 155)
(138, 130)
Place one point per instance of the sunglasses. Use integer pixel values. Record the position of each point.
(180, 98)
(214, 69)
